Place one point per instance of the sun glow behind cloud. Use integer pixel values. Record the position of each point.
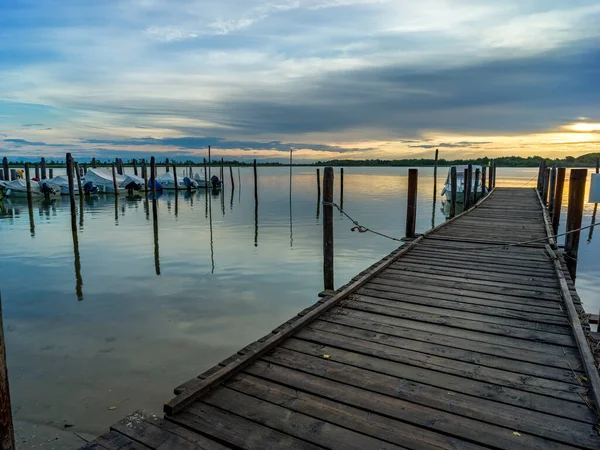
(374, 78)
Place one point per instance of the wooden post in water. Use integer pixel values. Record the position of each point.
(255, 206)
(50, 173)
(222, 175)
(114, 175)
(231, 176)
(206, 180)
(319, 183)
(37, 170)
(167, 164)
(175, 178)
(78, 175)
(43, 168)
(7, 431)
(71, 182)
(145, 175)
(328, 272)
(411, 203)
(134, 162)
(435, 164)
(153, 177)
(558, 195)
(476, 185)
(552, 191)
(94, 163)
(84, 169)
(28, 182)
(5, 168)
(209, 164)
(490, 177)
(577, 182)
(255, 185)
(342, 187)
(13, 174)
(453, 191)
(118, 166)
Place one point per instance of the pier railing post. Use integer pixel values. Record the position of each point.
(558, 195)
(453, 191)
(7, 431)
(577, 181)
(540, 175)
(411, 203)
(328, 272)
(545, 185)
(483, 180)
(476, 185)
(552, 191)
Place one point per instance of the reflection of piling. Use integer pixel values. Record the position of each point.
(328, 269)
(114, 175)
(155, 229)
(577, 182)
(411, 203)
(558, 196)
(153, 176)
(453, 189)
(7, 431)
(43, 168)
(76, 256)
(255, 205)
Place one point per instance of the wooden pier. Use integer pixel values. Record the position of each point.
(455, 340)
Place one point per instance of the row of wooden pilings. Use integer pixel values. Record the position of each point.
(477, 184)
(550, 186)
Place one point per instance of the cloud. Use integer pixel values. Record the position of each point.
(33, 125)
(23, 142)
(461, 144)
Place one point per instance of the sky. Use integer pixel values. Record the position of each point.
(327, 79)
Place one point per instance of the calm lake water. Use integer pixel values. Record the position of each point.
(123, 313)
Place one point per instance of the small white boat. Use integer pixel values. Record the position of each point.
(62, 182)
(202, 182)
(167, 181)
(18, 188)
(102, 181)
(460, 184)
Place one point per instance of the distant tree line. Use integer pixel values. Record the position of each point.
(587, 160)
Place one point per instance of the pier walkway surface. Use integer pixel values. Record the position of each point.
(455, 340)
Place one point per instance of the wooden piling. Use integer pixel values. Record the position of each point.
(28, 182)
(135, 169)
(37, 170)
(43, 168)
(435, 166)
(145, 175)
(319, 183)
(78, 176)
(222, 173)
(206, 180)
(231, 176)
(558, 196)
(545, 185)
(118, 166)
(175, 178)
(7, 431)
(50, 173)
(70, 178)
(476, 185)
(255, 185)
(209, 164)
(577, 182)
(328, 270)
(342, 187)
(453, 191)
(13, 174)
(411, 203)
(94, 163)
(483, 180)
(84, 169)
(114, 175)
(167, 164)
(552, 191)
(490, 177)
(5, 168)
(153, 177)
(540, 175)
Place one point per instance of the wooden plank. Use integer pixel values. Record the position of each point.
(306, 427)
(234, 430)
(483, 306)
(114, 440)
(566, 340)
(368, 422)
(203, 386)
(454, 348)
(160, 434)
(442, 364)
(559, 327)
(482, 336)
(390, 403)
(574, 429)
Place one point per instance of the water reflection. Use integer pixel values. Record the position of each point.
(76, 256)
(155, 229)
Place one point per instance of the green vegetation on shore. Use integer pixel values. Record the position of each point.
(587, 160)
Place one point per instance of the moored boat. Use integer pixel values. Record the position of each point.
(460, 184)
